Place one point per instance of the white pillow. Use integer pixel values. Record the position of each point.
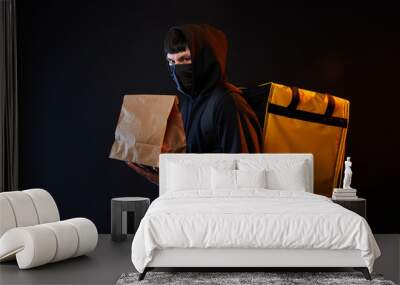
(188, 175)
(251, 178)
(223, 179)
(289, 179)
(280, 174)
(229, 179)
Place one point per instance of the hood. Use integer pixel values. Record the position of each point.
(208, 47)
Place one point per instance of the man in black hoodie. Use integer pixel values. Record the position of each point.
(216, 117)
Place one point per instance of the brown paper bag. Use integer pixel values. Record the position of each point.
(148, 125)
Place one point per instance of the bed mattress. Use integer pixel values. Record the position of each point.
(253, 218)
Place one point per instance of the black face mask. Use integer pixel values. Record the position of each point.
(182, 74)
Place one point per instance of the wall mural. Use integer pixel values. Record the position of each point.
(214, 116)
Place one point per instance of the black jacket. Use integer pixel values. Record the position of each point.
(216, 117)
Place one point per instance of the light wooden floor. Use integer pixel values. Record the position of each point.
(111, 259)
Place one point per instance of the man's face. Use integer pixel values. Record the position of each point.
(182, 57)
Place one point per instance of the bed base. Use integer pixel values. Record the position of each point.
(364, 270)
(250, 259)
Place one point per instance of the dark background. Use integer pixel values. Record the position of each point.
(77, 59)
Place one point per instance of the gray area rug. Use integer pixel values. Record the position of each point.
(228, 278)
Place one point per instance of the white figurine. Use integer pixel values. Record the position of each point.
(347, 174)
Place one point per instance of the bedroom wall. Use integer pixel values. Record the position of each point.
(78, 59)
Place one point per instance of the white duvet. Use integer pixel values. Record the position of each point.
(251, 218)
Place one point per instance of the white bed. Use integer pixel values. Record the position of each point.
(249, 227)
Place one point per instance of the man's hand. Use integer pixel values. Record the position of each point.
(149, 174)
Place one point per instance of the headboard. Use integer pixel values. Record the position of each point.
(166, 157)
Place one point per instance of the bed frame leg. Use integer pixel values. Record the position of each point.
(143, 274)
(364, 271)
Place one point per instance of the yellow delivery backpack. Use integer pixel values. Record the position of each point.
(301, 121)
